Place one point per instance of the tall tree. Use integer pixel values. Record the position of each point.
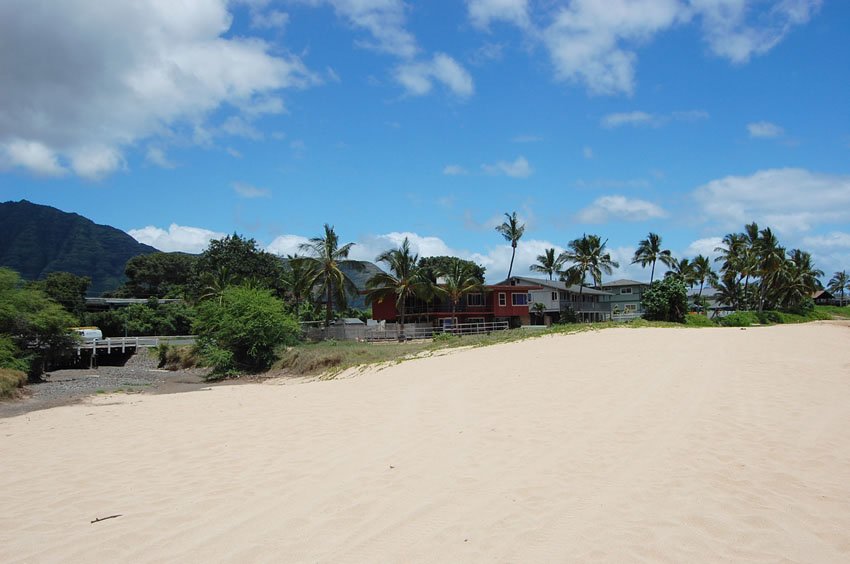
(703, 273)
(512, 231)
(457, 281)
(433, 266)
(770, 260)
(160, 275)
(798, 280)
(839, 283)
(404, 280)
(684, 271)
(325, 257)
(548, 263)
(68, 290)
(649, 251)
(296, 279)
(587, 256)
(241, 259)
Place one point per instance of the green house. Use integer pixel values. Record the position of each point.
(625, 296)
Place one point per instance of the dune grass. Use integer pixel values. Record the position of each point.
(10, 382)
(837, 312)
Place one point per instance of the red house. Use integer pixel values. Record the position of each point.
(493, 303)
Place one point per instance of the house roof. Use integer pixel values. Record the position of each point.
(623, 282)
(554, 284)
(821, 294)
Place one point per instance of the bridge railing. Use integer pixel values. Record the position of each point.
(117, 343)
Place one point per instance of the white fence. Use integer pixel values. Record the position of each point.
(117, 343)
(392, 332)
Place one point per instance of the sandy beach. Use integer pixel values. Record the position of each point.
(624, 445)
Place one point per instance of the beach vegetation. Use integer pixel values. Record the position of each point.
(512, 230)
(839, 284)
(666, 300)
(549, 264)
(243, 329)
(586, 255)
(649, 252)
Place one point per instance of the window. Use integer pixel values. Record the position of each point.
(625, 290)
(519, 299)
(629, 308)
(475, 299)
(554, 296)
(502, 300)
(563, 295)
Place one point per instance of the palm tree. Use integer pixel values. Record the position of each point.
(587, 255)
(702, 273)
(839, 283)
(684, 271)
(547, 263)
(798, 279)
(214, 283)
(512, 231)
(405, 280)
(296, 279)
(728, 291)
(770, 260)
(458, 279)
(325, 258)
(649, 251)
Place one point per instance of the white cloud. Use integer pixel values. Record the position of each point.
(587, 152)
(249, 191)
(628, 118)
(176, 238)
(516, 169)
(764, 130)
(238, 127)
(787, 199)
(729, 34)
(418, 77)
(636, 118)
(483, 12)
(33, 156)
(157, 156)
(834, 240)
(592, 42)
(607, 208)
(595, 43)
(286, 245)
(454, 170)
(84, 79)
(704, 246)
(233, 153)
(273, 19)
(385, 21)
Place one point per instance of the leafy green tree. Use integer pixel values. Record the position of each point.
(798, 280)
(404, 281)
(36, 326)
(159, 275)
(296, 279)
(587, 256)
(838, 284)
(548, 263)
(512, 231)
(666, 300)
(238, 259)
(649, 251)
(324, 259)
(66, 289)
(433, 266)
(243, 330)
(457, 281)
(702, 273)
(770, 261)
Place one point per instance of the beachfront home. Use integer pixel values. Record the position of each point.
(625, 296)
(498, 302)
(589, 304)
(823, 297)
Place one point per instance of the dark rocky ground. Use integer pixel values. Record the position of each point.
(138, 375)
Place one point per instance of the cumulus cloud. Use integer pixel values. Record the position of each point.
(157, 156)
(249, 191)
(418, 78)
(788, 199)
(520, 168)
(384, 20)
(176, 238)
(454, 170)
(704, 246)
(483, 12)
(637, 118)
(764, 130)
(84, 79)
(595, 43)
(286, 245)
(607, 208)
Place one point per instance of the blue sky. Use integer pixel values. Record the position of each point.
(431, 119)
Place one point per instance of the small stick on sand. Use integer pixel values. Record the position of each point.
(105, 518)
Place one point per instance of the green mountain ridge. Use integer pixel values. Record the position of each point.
(36, 240)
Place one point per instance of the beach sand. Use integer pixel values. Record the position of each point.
(623, 445)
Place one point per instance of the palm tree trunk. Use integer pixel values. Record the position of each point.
(652, 273)
(699, 296)
(401, 323)
(580, 290)
(329, 305)
(454, 322)
(513, 254)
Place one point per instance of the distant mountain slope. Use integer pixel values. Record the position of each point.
(36, 240)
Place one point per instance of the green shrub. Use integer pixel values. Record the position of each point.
(769, 317)
(445, 338)
(568, 316)
(220, 360)
(666, 300)
(699, 320)
(248, 323)
(739, 319)
(10, 381)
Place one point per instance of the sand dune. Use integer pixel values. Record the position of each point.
(623, 445)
